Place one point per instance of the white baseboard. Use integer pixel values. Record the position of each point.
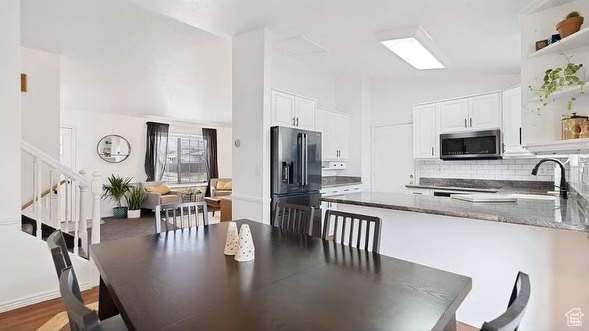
(37, 298)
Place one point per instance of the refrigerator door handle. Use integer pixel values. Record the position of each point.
(301, 147)
(306, 160)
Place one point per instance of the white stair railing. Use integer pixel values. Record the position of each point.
(66, 204)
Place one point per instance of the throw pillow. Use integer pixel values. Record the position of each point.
(162, 189)
(224, 185)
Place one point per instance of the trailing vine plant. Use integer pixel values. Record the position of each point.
(559, 79)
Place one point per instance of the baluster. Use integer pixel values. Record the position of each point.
(58, 202)
(67, 206)
(38, 196)
(83, 223)
(73, 216)
(96, 193)
(50, 195)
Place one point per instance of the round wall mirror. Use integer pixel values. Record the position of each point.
(114, 148)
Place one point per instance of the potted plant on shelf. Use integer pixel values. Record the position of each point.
(115, 190)
(135, 199)
(571, 24)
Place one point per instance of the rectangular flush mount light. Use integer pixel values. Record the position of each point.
(414, 46)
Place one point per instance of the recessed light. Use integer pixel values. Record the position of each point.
(414, 46)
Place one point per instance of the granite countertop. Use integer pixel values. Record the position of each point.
(455, 188)
(563, 214)
(334, 181)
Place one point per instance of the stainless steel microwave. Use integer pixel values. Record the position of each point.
(471, 145)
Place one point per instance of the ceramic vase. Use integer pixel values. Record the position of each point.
(246, 250)
(232, 241)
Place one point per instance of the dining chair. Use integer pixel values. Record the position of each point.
(177, 212)
(295, 218)
(80, 316)
(520, 296)
(355, 232)
(61, 257)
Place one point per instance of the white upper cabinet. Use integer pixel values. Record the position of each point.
(453, 115)
(293, 111)
(425, 136)
(485, 112)
(481, 112)
(512, 122)
(335, 133)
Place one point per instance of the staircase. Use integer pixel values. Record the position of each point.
(62, 199)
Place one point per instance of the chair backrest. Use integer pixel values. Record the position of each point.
(177, 212)
(293, 217)
(80, 316)
(61, 258)
(520, 296)
(357, 232)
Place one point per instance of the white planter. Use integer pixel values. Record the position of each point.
(134, 213)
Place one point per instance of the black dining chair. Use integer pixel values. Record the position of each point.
(61, 257)
(366, 228)
(80, 316)
(520, 296)
(295, 218)
(177, 212)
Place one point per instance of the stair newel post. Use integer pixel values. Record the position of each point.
(96, 194)
(37, 185)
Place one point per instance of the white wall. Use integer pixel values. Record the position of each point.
(90, 127)
(292, 75)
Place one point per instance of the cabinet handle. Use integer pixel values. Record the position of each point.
(465, 123)
(520, 135)
(471, 122)
(432, 151)
(293, 121)
(418, 193)
(503, 148)
(297, 121)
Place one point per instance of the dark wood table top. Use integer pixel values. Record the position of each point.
(181, 280)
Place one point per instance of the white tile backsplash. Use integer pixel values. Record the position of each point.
(520, 169)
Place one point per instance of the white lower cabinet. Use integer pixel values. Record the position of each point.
(419, 191)
(331, 191)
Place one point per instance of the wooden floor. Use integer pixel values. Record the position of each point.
(34, 316)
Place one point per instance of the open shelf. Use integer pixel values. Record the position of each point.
(571, 146)
(539, 5)
(565, 94)
(575, 41)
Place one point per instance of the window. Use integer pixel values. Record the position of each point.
(187, 160)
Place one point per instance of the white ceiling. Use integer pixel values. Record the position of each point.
(478, 36)
(122, 59)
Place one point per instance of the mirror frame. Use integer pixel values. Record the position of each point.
(113, 135)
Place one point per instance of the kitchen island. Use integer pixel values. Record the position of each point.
(548, 239)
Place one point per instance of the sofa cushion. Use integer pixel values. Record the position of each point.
(171, 198)
(162, 189)
(224, 185)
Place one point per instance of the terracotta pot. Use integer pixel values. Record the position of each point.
(569, 26)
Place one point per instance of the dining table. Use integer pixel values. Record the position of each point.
(181, 280)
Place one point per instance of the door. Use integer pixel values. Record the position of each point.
(324, 124)
(485, 112)
(341, 125)
(66, 147)
(425, 137)
(392, 163)
(304, 113)
(453, 115)
(283, 106)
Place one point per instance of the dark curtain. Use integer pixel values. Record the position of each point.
(210, 137)
(156, 152)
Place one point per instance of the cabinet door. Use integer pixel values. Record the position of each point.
(485, 112)
(453, 115)
(324, 124)
(304, 113)
(512, 122)
(425, 135)
(342, 137)
(283, 108)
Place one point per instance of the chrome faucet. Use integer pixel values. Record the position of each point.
(563, 182)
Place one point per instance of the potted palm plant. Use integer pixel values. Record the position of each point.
(135, 199)
(115, 190)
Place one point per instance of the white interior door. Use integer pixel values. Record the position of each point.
(392, 164)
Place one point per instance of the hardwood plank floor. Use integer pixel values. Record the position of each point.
(33, 316)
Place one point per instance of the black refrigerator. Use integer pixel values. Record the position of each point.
(296, 169)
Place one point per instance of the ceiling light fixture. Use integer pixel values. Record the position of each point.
(414, 46)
